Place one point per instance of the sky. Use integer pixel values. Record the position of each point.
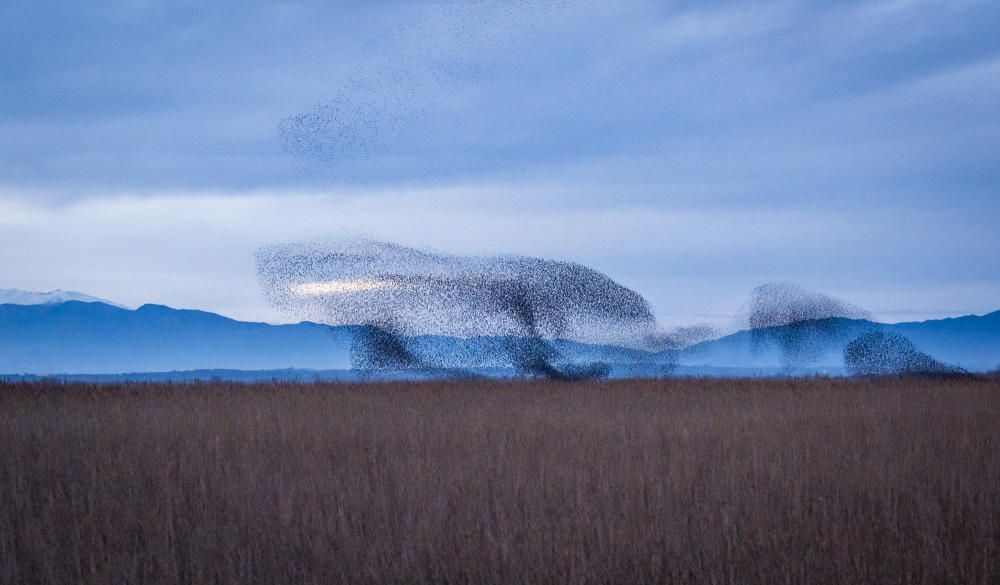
(690, 150)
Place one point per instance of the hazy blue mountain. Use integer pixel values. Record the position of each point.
(810, 345)
(91, 338)
(96, 338)
(971, 342)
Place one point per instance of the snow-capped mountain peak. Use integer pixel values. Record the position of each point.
(13, 296)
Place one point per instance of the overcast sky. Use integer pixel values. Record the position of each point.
(691, 150)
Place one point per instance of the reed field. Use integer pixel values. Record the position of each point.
(811, 481)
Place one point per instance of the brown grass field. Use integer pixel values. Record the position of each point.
(808, 481)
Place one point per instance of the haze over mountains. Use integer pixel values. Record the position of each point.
(72, 333)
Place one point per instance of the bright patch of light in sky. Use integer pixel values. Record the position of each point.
(329, 287)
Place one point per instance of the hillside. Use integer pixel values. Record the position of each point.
(971, 342)
(95, 338)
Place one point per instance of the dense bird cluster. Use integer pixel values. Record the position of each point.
(450, 315)
(802, 324)
(396, 293)
(777, 303)
(881, 353)
(678, 338)
(805, 325)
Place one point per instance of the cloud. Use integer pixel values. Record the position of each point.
(195, 250)
(766, 98)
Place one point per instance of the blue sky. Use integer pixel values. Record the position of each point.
(692, 150)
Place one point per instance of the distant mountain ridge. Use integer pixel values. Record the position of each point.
(971, 342)
(95, 338)
(13, 296)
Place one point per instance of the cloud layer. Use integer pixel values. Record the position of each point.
(771, 101)
(691, 149)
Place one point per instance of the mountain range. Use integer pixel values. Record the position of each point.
(96, 338)
(93, 337)
(971, 342)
